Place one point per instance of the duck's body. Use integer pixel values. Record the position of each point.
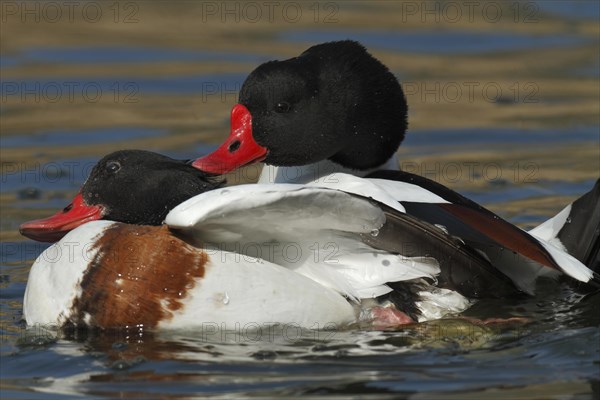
(130, 275)
(267, 254)
(308, 265)
(218, 266)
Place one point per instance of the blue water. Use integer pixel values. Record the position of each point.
(438, 42)
(55, 175)
(69, 174)
(127, 89)
(121, 54)
(94, 136)
(441, 42)
(561, 347)
(573, 9)
(590, 71)
(505, 192)
(486, 136)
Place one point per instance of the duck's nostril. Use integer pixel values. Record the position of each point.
(68, 208)
(234, 146)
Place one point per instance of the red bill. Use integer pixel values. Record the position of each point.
(53, 228)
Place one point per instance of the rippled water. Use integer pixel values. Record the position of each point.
(552, 350)
(129, 87)
(449, 42)
(120, 54)
(556, 353)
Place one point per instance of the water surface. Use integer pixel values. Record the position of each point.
(439, 42)
(121, 54)
(554, 352)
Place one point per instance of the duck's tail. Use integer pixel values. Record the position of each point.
(577, 229)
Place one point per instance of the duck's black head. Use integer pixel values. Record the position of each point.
(131, 186)
(335, 101)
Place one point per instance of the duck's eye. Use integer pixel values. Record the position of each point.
(282, 107)
(113, 166)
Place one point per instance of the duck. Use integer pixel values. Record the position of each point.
(114, 264)
(248, 256)
(113, 191)
(335, 110)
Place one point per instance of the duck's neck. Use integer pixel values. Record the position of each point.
(312, 173)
